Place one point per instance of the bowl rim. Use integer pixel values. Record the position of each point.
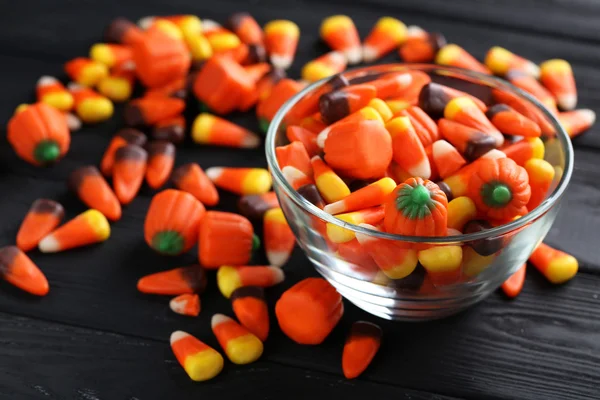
(490, 80)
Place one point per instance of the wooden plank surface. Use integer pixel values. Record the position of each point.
(108, 341)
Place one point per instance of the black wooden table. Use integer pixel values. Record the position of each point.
(95, 337)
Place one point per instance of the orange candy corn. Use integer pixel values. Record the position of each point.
(294, 154)
(425, 128)
(39, 134)
(240, 346)
(41, 219)
(457, 183)
(324, 66)
(369, 196)
(230, 278)
(455, 56)
(123, 31)
(18, 270)
(434, 97)
(161, 158)
(442, 263)
(279, 240)
(199, 361)
(246, 28)
(268, 106)
(342, 102)
(159, 58)
(281, 40)
(360, 150)
(541, 175)
(241, 181)
(395, 261)
(186, 304)
(577, 121)
(210, 129)
(469, 141)
(340, 34)
(111, 55)
(86, 72)
(499, 188)
(174, 282)
(557, 77)
(251, 310)
(510, 122)
(91, 187)
(266, 83)
(394, 169)
(122, 138)
(128, 172)
(500, 61)
(254, 206)
(513, 285)
(192, 179)
(150, 110)
(337, 234)
(408, 151)
(172, 221)
(170, 130)
(524, 150)
(306, 137)
(49, 90)
(361, 346)
(308, 311)
(91, 107)
(525, 108)
(464, 111)
(533, 87)
(225, 239)
(421, 46)
(360, 261)
(387, 34)
(295, 177)
(557, 266)
(87, 228)
(330, 185)
(446, 158)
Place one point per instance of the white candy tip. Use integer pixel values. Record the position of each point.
(277, 258)
(361, 237)
(74, 86)
(588, 115)
(177, 305)
(281, 62)
(73, 122)
(46, 80)
(49, 244)
(337, 57)
(334, 208)
(532, 69)
(369, 54)
(251, 142)
(145, 22)
(353, 55)
(422, 170)
(278, 275)
(218, 319)
(178, 335)
(214, 173)
(567, 101)
(322, 137)
(414, 30)
(209, 25)
(292, 174)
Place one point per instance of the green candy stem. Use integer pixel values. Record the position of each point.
(46, 151)
(255, 242)
(496, 194)
(263, 124)
(168, 242)
(414, 202)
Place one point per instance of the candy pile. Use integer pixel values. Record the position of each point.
(383, 180)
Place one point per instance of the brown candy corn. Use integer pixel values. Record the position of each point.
(151, 110)
(128, 172)
(161, 158)
(18, 270)
(192, 179)
(360, 348)
(41, 219)
(122, 138)
(250, 308)
(91, 187)
(176, 281)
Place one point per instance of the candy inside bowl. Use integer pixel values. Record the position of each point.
(417, 190)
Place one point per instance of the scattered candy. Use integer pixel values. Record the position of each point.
(87, 228)
(91, 107)
(387, 34)
(241, 181)
(174, 282)
(192, 179)
(513, 285)
(186, 304)
(121, 139)
(533, 87)
(254, 206)
(41, 219)
(128, 172)
(500, 61)
(340, 34)
(18, 270)
(421, 46)
(279, 240)
(123, 31)
(93, 190)
(281, 40)
(199, 361)
(229, 278)
(361, 346)
(210, 129)
(240, 346)
(577, 121)
(111, 55)
(557, 77)
(324, 66)
(557, 266)
(161, 157)
(150, 110)
(51, 91)
(251, 310)
(455, 56)
(170, 129)
(86, 72)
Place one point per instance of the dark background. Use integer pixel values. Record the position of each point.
(95, 337)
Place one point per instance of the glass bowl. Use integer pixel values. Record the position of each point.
(488, 257)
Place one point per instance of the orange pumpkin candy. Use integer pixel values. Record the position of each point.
(172, 222)
(416, 207)
(39, 134)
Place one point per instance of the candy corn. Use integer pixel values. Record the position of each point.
(446, 158)
(555, 265)
(324, 66)
(117, 86)
(330, 185)
(128, 172)
(210, 129)
(500, 61)
(91, 107)
(513, 285)
(557, 77)
(434, 97)
(455, 56)
(460, 211)
(18, 270)
(111, 55)
(42, 218)
(246, 28)
(471, 142)
(340, 103)
(541, 176)
(371, 216)
(279, 240)
(309, 310)
(199, 361)
(254, 206)
(442, 263)
(265, 84)
(229, 278)
(508, 121)
(458, 182)
(192, 179)
(87, 228)
(387, 34)
(369, 196)
(123, 31)
(225, 239)
(525, 150)
(340, 34)
(241, 181)
(421, 46)
(268, 106)
(186, 304)
(250, 308)
(121, 139)
(281, 40)
(170, 130)
(577, 121)
(161, 157)
(49, 90)
(294, 155)
(176, 88)
(240, 346)
(464, 111)
(311, 193)
(408, 151)
(150, 110)
(484, 247)
(425, 128)
(533, 87)
(91, 187)
(361, 346)
(174, 282)
(39, 134)
(86, 72)
(525, 108)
